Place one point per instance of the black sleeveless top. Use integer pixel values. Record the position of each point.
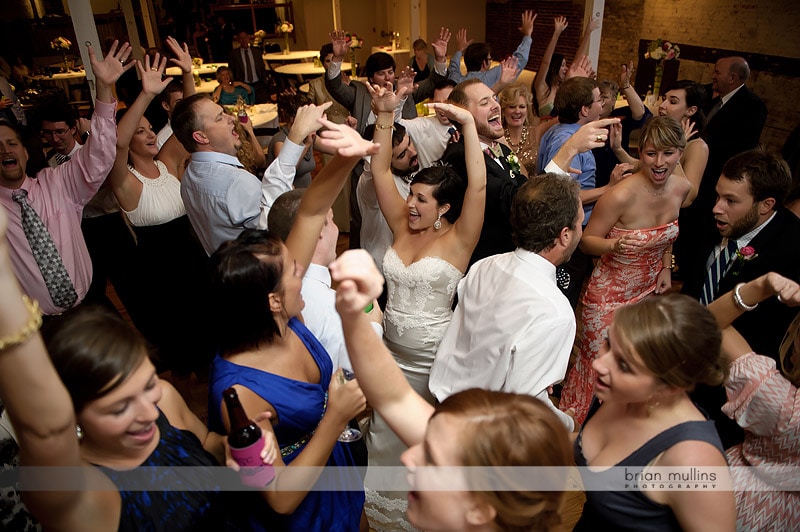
(633, 510)
(193, 501)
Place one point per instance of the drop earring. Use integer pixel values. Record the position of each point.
(79, 432)
(438, 223)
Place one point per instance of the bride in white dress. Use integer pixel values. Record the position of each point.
(432, 246)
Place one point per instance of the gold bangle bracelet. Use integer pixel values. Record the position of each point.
(384, 126)
(24, 334)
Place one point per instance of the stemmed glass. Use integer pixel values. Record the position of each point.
(348, 434)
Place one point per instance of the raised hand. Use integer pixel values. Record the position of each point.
(453, 112)
(620, 172)
(340, 45)
(615, 136)
(461, 39)
(527, 22)
(559, 25)
(359, 280)
(182, 57)
(592, 25)
(626, 74)
(509, 70)
(384, 99)
(344, 140)
(688, 128)
(306, 121)
(152, 82)
(582, 67)
(439, 45)
(108, 70)
(405, 80)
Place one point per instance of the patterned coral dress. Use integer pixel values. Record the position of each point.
(618, 279)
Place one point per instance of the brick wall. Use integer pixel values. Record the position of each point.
(767, 27)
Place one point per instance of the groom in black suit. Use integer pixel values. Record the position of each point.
(503, 177)
(758, 236)
(735, 119)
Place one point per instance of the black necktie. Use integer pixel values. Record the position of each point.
(45, 252)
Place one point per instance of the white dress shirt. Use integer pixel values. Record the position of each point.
(321, 318)
(512, 330)
(430, 138)
(163, 135)
(376, 236)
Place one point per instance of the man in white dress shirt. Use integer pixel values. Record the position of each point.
(431, 133)
(513, 329)
(319, 312)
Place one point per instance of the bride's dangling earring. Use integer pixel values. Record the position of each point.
(438, 223)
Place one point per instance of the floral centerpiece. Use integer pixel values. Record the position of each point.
(660, 50)
(355, 42)
(286, 28)
(62, 45)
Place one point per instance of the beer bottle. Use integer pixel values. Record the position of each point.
(246, 442)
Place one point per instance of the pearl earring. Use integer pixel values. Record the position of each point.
(438, 223)
(79, 432)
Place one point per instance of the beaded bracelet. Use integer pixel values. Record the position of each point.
(24, 334)
(737, 299)
(384, 126)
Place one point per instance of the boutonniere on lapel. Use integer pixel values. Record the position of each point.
(513, 163)
(743, 256)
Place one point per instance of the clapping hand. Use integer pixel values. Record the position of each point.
(509, 70)
(182, 57)
(344, 140)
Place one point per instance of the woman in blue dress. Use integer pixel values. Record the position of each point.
(277, 366)
(228, 91)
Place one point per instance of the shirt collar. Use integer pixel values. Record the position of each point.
(745, 239)
(725, 99)
(215, 157)
(318, 272)
(546, 267)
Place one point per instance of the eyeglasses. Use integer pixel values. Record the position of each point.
(54, 132)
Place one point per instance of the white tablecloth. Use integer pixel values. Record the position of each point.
(294, 55)
(206, 69)
(305, 69)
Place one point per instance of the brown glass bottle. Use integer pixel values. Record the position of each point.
(246, 441)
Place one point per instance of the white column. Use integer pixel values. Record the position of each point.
(86, 34)
(594, 9)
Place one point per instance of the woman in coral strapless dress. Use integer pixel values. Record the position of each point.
(632, 229)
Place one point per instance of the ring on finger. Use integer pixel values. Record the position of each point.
(780, 298)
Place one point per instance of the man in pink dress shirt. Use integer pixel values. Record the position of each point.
(59, 194)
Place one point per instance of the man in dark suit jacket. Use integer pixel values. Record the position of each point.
(502, 181)
(751, 190)
(736, 118)
(248, 66)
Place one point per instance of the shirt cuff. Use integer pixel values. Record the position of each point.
(334, 69)
(553, 168)
(105, 109)
(290, 153)
(440, 68)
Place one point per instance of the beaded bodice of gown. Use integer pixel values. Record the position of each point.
(420, 300)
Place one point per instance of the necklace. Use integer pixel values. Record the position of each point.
(653, 192)
(523, 139)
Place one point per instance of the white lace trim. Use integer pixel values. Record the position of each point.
(385, 514)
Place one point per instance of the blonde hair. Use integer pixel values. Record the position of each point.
(506, 430)
(510, 96)
(677, 339)
(662, 132)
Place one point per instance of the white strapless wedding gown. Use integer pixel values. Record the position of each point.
(418, 310)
